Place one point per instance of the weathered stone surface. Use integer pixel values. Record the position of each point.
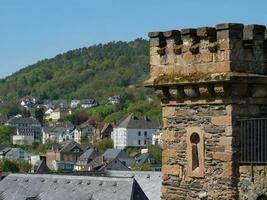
(221, 120)
(174, 170)
(222, 156)
(169, 153)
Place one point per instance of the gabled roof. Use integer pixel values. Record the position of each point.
(115, 153)
(114, 164)
(106, 125)
(88, 154)
(4, 147)
(63, 187)
(143, 158)
(66, 147)
(135, 122)
(14, 150)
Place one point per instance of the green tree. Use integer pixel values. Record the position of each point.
(156, 151)
(9, 166)
(39, 114)
(25, 113)
(104, 144)
(24, 166)
(5, 134)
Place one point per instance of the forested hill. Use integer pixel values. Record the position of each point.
(97, 72)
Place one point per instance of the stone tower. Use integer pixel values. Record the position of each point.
(209, 79)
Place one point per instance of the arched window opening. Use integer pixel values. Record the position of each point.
(195, 139)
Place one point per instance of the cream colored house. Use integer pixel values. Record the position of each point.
(57, 114)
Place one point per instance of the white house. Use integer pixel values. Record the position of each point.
(134, 132)
(75, 103)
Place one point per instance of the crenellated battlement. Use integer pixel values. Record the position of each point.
(226, 48)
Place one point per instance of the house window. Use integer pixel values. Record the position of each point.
(139, 142)
(139, 133)
(144, 142)
(145, 134)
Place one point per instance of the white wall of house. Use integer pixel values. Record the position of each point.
(123, 137)
(22, 139)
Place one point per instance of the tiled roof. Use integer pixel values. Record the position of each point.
(51, 187)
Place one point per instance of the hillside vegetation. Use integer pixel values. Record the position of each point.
(96, 72)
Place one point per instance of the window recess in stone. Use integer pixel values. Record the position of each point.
(253, 141)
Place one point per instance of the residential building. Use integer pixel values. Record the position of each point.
(3, 150)
(28, 101)
(147, 158)
(156, 138)
(89, 103)
(116, 99)
(87, 132)
(26, 130)
(101, 164)
(63, 166)
(115, 165)
(66, 187)
(58, 133)
(75, 103)
(18, 154)
(57, 114)
(66, 151)
(134, 131)
(111, 154)
(104, 130)
(40, 167)
(85, 159)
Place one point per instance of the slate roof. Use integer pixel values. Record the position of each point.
(143, 158)
(51, 187)
(88, 154)
(111, 154)
(134, 122)
(150, 182)
(66, 146)
(22, 120)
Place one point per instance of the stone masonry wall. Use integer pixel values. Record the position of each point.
(216, 124)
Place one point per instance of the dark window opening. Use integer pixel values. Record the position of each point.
(262, 197)
(195, 139)
(253, 141)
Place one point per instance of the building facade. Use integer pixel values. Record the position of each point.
(212, 85)
(134, 132)
(26, 130)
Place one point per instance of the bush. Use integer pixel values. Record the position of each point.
(9, 166)
(144, 167)
(104, 144)
(156, 151)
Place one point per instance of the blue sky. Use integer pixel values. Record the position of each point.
(31, 30)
